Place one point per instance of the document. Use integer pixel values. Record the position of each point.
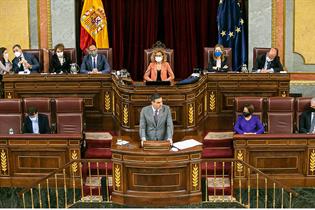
(186, 144)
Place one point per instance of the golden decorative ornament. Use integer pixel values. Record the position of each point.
(4, 163)
(312, 162)
(107, 101)
(117, 177)
(74, 156)
(239, 166)
(195, 176)
(125, 115)
(212, 102)
(191, 114)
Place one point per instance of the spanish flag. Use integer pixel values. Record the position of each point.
(93, 25)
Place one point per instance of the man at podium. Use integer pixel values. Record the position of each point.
(156, 121)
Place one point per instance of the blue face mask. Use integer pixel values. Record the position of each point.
(217, 53)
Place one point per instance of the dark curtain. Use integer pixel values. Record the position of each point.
(187, 26)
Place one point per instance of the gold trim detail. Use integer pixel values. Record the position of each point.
(49, 30)
(74, 156)
(284, 94)
(212, 102)
(9, 95)
(205, 102)
(113, 104)
(195, 176)
(312, 162)
(274, 23)
(117, 177)
(239, 166)
(107, 101)
(4, 163)
(125, 115)
(191, 114)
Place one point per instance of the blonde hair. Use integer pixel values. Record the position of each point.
(223, 52)
(155, 51)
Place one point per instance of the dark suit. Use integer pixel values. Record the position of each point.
(30, 60)
(261, 60)
(162, 130)
(55, 65)
(102, 64)
(213, 63)
(43, 124)
(305, 122)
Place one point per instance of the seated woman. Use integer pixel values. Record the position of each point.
(5, 64)
(218, 61)
(60, 62)
(159, 69)
(247, 123)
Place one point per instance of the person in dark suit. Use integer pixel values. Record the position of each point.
(307, 119)
(94, 63)
(156, 121)
(25, 62)
(35, 122)
(60, 62)
(268, 63)
(218, 61)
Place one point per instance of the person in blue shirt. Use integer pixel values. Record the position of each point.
(36, 123)
(94, 63)
(248, 123)
(24, 62)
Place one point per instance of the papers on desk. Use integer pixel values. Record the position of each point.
(25, 72)
(185, 144)
(122, 142)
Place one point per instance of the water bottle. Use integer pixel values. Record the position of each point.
(11, 132)
(244, 68)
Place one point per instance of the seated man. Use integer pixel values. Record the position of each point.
(156, 121)
(307, 120)
(35, 122)
(94, 63)
(268, 63)
(24, 62)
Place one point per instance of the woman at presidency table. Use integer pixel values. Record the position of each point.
(248, 123)
(159, 69)
(218, 60)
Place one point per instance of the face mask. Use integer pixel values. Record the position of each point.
(158, 59)
(17, 54)
(6, 56)
(217, 53)
(312, 109)
(60, 54)
(94, 53)
(33, 118)
(246, 114)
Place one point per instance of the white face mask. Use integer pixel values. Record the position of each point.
(158, 59)
(33, 118)
(17, 54)
(60, 54)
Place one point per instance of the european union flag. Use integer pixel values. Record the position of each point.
(231, 30)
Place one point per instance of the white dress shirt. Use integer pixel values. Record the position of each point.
(35, 124)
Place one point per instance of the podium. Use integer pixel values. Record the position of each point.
(155, 178)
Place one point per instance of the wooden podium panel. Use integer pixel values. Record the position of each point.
(26, 158)
(155, 178)
(112, 104)
(287, 157)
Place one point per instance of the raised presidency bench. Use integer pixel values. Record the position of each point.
(26, 158)
(290, 158)
(113, 105)
(155, 178)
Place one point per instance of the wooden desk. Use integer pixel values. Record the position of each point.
(288, 157)
(157, 178)
(26, 158)
(112, 105)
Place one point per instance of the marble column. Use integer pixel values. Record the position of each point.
(259, 26)
(34, 32)
(63, 22)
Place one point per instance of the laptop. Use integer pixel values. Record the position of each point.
(159, 83)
